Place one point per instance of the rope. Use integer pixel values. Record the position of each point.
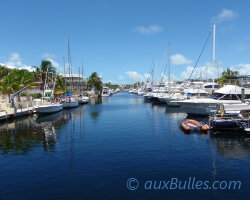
(200, 54)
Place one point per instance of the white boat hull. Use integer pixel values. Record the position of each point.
(72, 104)
(105, 95)
(203, 108)
(83, 100)
(48, 109)
(172, 102)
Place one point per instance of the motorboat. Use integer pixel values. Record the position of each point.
(133, 91)
(211, 87)
(172, 100)
(233, 122)
(148, 96)
(105, 92)
(140, 93)
(229, 94)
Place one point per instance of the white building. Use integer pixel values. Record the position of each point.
(76, 81)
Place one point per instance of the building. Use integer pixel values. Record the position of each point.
(76, 81)
(244, 81)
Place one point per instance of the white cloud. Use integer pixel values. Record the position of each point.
(148, 29)
(15, 61)
(244, 69)
(205, 71)
(179, 59)
(134, 75)
(225, 15)
(146, 76)
(50, 58)
(48, 55)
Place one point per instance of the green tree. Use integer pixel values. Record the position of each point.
(15, 80)
(228, 75)
(60, 83)
(3, 71)
(37, 72)
(46, 66)
(95, 81)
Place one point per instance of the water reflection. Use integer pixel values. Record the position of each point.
(23, 135)
(94, 101)
(232, 146)
(94, 115)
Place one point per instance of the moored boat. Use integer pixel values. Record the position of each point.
(193, 125)
(105, 92)
(49, 108)
(234, 122)
(83, 100)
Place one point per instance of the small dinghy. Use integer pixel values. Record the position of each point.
(193, 125)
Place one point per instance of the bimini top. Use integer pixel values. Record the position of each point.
(231, 89)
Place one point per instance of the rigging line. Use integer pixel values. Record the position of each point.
(151, 71)
(162, 76)
(200, 54)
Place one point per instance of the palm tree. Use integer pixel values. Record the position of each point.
(60, 86)
(3, 71)
(15, 80)
(95, 81)
(46, 66)
(228, 75)
(36, 72)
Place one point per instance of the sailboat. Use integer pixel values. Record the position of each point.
(229, 94)
(69, 102)
(82, 99)
(49, 107)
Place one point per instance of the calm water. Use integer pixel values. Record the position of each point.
(90, 152)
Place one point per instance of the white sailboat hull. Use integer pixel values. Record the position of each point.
(72, 104)
(83, 100)
(50, 108)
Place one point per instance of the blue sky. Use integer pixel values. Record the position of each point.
(119, 39)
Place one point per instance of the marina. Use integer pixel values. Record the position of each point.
(134, 139)
(133, 100)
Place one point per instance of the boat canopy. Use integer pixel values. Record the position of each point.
(231, 89)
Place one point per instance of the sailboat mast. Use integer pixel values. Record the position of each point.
(153, 73)
(79, 83)
(54, 84)
(169, 63)
(214, 27)
(64, 75)
(82, 79)
(69, 65)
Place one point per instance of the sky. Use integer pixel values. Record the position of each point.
(121, 39)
